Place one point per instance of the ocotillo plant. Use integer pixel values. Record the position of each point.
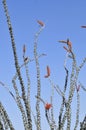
(22, 98)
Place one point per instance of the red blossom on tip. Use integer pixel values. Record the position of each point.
(48, 72)
(48, 106)
(40, 22)
(67, 42)
(83, 26)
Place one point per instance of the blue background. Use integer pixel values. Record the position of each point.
(62, 19)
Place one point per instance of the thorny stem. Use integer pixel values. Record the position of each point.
(71, 92)
(83, 62)
(6, 87)
(63, 103)
(3, 120)
(77, 111)
(82, 87)
(73, 80)
(66, 80)
(18, 101)
(28, 80)
(58, 90)
(1, 126)
(40, 99)
(52, 113)
(17, 65)
(65, 87)
(28, 61)
(50, 121)
(4, 113)
(38, 79)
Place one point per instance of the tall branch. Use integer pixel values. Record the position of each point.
(17, 65)
(38, 78)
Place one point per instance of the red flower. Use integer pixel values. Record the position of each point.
(40, 22)
(48, 72)
(67, 42)
(48, 106)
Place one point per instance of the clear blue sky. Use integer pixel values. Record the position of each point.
(62, 19)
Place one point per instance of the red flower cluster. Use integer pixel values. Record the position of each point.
(48, 106)
(40, 23)
(68, 43)
(48, 72)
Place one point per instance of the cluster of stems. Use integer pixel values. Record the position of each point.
(22, 98)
